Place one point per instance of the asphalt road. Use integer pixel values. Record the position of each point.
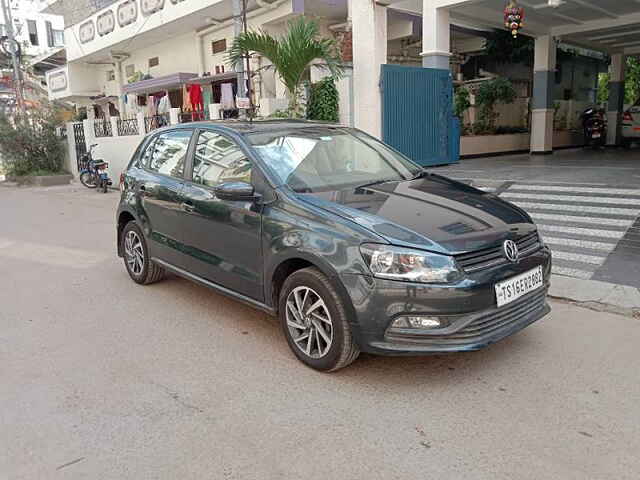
(102, 378)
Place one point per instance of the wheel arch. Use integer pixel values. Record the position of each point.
(286, 266)
(124, 217)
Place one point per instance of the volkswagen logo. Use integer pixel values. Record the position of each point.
(510, 250)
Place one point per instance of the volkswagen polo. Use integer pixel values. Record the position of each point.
(350, 244)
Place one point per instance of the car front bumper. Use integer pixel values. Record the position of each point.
(476, 321)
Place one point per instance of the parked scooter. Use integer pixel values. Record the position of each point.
(96, 175)
(594, 124)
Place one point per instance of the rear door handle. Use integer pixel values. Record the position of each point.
(187, 206)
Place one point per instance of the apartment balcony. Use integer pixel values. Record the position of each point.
(73, 82)
(128, 24)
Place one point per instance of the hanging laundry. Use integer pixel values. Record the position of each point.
(186, 101)
(152, 106)
(195, 96)
(164, 105)
(226, 96)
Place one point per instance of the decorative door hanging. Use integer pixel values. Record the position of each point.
(513, 17)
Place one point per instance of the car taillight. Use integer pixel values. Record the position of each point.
(122, 182)
(627, 117)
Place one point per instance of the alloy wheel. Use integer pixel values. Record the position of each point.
(134, 252)
(309, 322)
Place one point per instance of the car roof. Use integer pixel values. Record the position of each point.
(256, 126)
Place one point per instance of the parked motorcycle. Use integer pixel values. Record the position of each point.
(594, 123)
(96, 175)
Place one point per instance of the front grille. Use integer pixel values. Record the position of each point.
(502, 317)
(492, 257)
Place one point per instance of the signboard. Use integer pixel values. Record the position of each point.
(243, 103)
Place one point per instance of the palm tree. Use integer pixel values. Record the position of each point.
(291, 55)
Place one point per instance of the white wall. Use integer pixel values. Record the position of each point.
(117, 151)
(175, 54)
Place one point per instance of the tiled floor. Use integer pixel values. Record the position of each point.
(592, 228)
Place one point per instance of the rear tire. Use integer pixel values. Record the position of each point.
(88, 179)
(135, 253)
(319, 336)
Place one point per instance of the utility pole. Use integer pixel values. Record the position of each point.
(14, 48)
(236, 6)
(244, 26)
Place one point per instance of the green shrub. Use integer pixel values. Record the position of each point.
(323, 101)
(461, 102)
(29, 143)
(498, 90)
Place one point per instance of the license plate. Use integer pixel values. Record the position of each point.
(595, 135)
(518, 286)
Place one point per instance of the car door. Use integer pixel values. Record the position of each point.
(160, 189)
(222, 236)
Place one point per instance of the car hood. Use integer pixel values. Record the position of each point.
(432, 213)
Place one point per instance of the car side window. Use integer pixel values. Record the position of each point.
(143, 160)
(218, 159)
(169, 153)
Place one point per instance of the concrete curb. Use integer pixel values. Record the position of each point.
(42, 180)
(596, 295)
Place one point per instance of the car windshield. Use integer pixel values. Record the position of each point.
(316, 159)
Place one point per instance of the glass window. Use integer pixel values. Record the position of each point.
(313, 159)
(58, 38)
(169, 153)
(33, 32)
(218, 159)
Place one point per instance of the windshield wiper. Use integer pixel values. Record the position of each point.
(422, 173)
(377, 182)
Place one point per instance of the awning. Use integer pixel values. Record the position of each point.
(166, 82)
(214, 78)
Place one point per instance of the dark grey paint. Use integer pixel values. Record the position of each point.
(238, 246)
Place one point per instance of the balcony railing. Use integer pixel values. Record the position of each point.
(128, 127)
(156, 121)
(102, 128)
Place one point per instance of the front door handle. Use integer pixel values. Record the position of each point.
(187, 206)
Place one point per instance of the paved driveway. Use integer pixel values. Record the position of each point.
(586, 203)
(102, 378)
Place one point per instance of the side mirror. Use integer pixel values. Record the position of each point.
(236, 191)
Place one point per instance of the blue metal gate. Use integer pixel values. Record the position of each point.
(417, 117)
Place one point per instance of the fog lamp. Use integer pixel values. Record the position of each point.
(419, 322)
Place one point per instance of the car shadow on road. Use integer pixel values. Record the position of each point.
(383, 371)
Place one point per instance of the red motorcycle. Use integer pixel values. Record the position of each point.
(594, 123)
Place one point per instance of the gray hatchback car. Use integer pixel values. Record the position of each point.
(353, 246)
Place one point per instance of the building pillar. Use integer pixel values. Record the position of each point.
(142, 129)
(114, 125)
(542, 102)
(120, 81)
(616, 99)
(369, 26)
(436, 36)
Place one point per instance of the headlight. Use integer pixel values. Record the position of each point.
(397, 263)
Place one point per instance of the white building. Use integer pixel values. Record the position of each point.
(37, 32)
(121, 51)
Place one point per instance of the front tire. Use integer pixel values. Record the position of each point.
(314, 320)
(140, 267)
